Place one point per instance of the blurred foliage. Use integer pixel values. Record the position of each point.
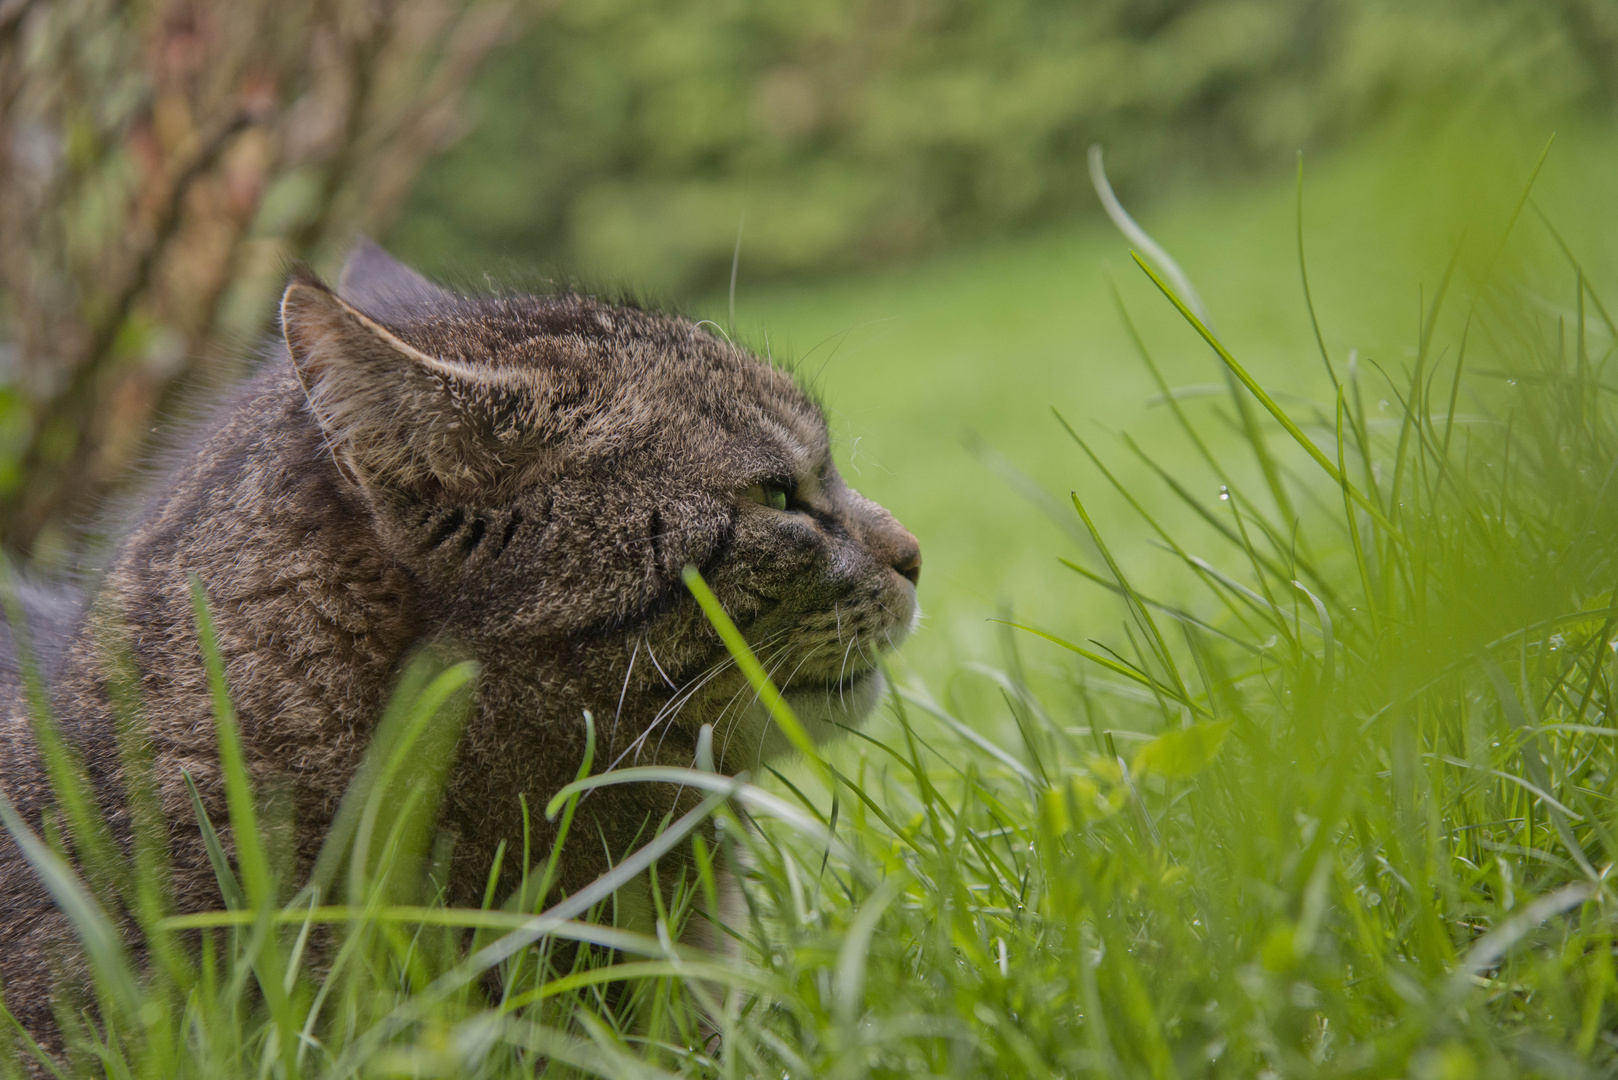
(159, 164)
(629, 139)
(160, 161)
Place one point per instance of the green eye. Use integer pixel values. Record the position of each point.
(772, 495)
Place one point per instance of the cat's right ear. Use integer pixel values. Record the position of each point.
(394, 416)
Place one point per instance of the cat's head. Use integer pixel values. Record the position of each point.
(547, 466)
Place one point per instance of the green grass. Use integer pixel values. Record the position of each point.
(1325, 795)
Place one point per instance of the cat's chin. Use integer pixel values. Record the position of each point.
(824, 711)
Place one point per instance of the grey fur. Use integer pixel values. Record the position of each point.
(520, 479)
(52, 615)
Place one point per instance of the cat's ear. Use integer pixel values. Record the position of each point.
(373, 281)
(394, 416)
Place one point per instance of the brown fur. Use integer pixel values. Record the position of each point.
(519, 478)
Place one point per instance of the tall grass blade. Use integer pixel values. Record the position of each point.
(69, 782)
(1308, 297)
(1269, 403)
(251, 856)
(230, 888)
(780, 711)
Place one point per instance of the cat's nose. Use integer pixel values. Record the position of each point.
(882, 536)
(907, 560)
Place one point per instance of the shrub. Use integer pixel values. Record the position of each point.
(632, 139)
(159, 164)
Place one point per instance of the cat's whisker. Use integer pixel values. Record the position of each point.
(764, 729)
(648, 643)
(775, 662)
(842, 671)
(776, 665)
(616, 716)
(672, 707)
(670, 711)
(671, 716)
(718, 720)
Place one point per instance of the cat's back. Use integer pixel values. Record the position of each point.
(51, 613)
(32, 929)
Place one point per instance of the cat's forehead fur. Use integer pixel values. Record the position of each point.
(589, 379)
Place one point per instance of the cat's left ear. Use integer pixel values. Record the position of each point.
(397, 418)
(376, 282)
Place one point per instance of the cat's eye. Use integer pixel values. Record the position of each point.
(769, 494)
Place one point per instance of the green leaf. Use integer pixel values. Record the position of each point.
(1185, 751)
(229, 888)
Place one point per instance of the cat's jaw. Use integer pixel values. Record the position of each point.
(754, 738)
(827, 712)
(827, 704)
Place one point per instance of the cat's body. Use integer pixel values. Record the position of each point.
(519, 480)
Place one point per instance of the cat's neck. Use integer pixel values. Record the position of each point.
(311, 613)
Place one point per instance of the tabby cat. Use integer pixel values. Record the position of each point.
(517, 479)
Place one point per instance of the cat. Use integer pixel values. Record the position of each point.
(518, 479)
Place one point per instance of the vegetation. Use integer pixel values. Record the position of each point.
(631, 141)
(1345, 809)
(159, 164)
(941, 376)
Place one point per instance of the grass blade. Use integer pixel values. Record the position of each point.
(1275, 410)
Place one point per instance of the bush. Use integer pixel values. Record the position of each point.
(631, 139)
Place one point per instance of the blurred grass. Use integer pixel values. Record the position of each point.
(941, 375)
